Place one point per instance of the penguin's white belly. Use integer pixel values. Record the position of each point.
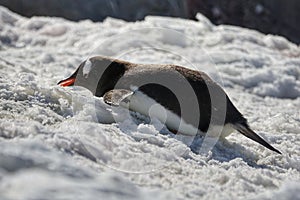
(145, 105)
(220, 131)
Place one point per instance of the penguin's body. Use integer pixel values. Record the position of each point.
(188, 101)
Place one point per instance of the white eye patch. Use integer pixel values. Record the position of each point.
(87, 68)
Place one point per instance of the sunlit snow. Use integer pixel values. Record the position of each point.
(58, 143)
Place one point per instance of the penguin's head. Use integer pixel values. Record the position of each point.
(96, 74)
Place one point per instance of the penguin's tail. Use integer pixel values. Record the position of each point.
(244, 129)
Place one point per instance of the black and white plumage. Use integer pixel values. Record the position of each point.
(191, 100)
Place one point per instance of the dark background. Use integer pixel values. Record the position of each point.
(280, 17)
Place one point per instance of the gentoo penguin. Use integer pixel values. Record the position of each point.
(192, 101)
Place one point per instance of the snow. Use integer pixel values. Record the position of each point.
(59, 143)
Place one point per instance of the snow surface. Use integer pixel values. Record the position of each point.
(53, 146)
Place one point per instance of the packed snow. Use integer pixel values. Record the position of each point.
(58, 143)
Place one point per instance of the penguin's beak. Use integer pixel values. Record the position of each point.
(67, 82)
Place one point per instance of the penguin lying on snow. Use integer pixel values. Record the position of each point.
(187, 101)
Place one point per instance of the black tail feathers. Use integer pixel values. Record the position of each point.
(244, 129)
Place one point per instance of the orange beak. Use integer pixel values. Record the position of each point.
(67, 82)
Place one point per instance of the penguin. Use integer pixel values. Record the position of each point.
(187, 101)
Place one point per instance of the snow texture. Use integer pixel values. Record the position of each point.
(58, 143)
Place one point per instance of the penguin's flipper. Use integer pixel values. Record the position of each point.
(246, 131)
(116, 96)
